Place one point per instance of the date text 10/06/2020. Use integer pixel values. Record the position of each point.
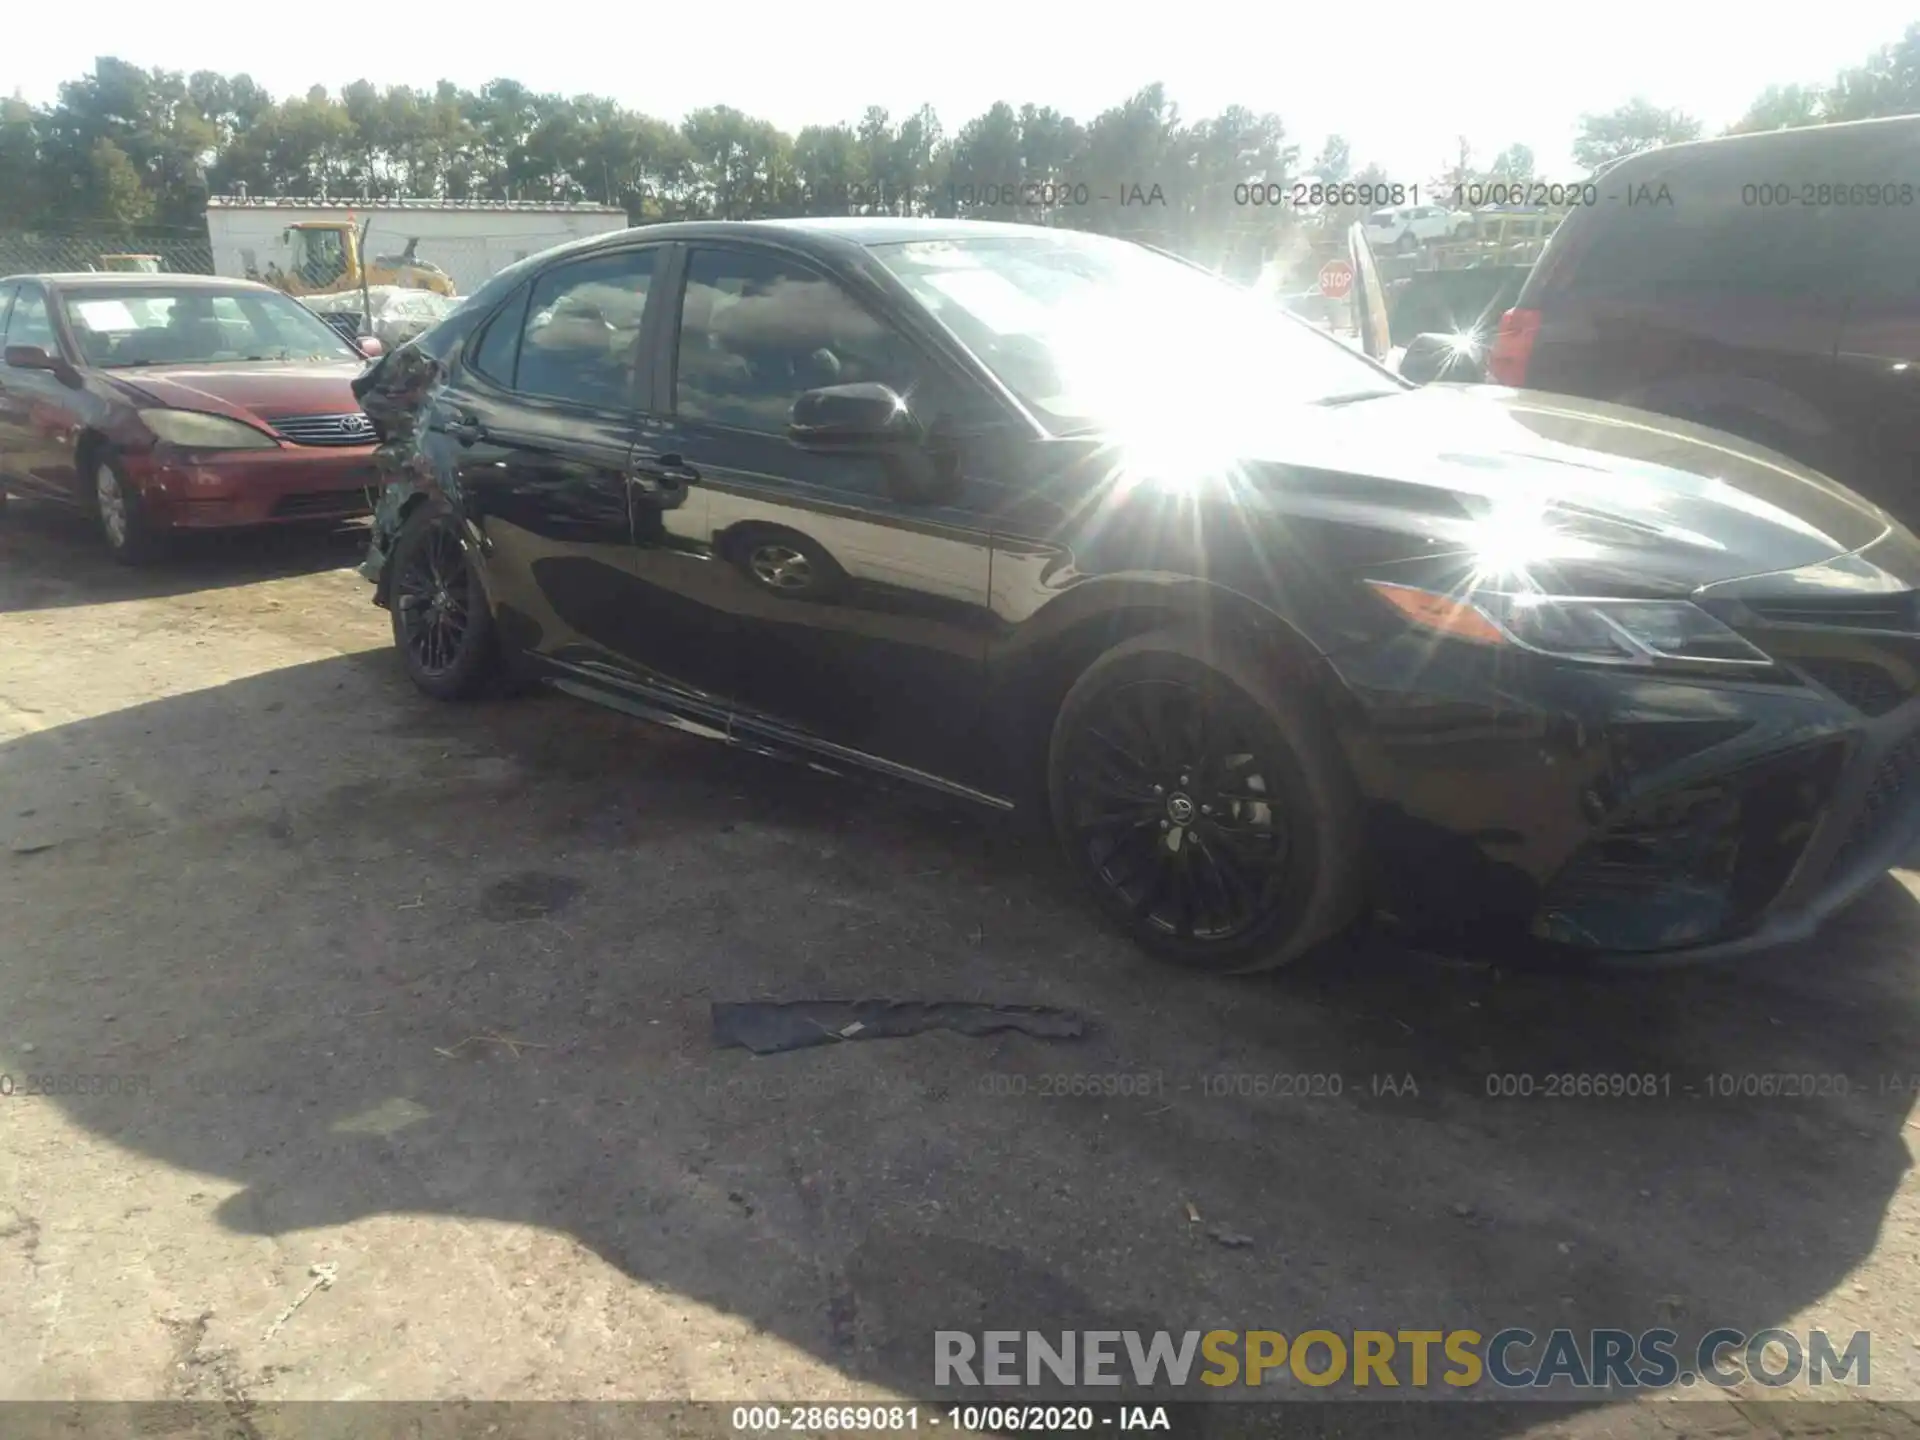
(1042, 1419)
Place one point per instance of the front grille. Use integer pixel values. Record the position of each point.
(353, 429)
(1871, 689)
(1893, 781)
(1849, 612)
(324, 504)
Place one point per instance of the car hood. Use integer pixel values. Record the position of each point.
(1572, 497)
(292, 388)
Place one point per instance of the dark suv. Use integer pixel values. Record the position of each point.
(1766, 285)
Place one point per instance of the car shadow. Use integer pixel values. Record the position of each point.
(52, 556)
(480, 990)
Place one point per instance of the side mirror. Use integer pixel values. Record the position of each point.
(1433, 356)
(866, 416)
(371, 346)
(33, 357)
(28, 357)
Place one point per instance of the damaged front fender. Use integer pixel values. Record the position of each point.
(398, 393)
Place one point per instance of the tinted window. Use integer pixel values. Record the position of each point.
(1708, 246)
(29, 325)
(1781, 216)
(1885, 260)
(757, 331)
(582, 338)
(493, 357)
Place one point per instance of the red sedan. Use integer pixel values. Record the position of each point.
(174, 402)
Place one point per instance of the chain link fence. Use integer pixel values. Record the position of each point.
(25, 252)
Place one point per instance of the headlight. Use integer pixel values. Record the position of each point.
(1600, 632)
(196, 430)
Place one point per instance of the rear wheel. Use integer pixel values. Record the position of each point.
(441, 624)
(1408, 243)
(1209, 811)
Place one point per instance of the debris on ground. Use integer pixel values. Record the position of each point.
(1193, 1213)
(1232, 1239)
(491, 1037)
(767, 1028)
(324, 1274)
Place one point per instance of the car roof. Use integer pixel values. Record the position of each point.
(136, 280)
(1893, 129)
(825, 234)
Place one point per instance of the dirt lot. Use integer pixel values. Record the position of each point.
(244, 869)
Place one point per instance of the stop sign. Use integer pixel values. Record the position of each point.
(1336, 279)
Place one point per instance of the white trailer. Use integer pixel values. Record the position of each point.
(471, 240)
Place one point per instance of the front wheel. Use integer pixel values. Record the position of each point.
(442, 626)
(1209, 811)
(130, 536)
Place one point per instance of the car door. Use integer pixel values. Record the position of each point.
(852, 614)
(537, 424)
(37, 411)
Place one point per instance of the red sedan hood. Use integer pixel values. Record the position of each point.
(251, 390)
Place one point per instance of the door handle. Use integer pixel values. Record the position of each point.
(663, 470)
(659, 482)
(467, 429)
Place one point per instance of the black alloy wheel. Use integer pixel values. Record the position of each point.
(441, 624)
(1215, 823)
(432, 595)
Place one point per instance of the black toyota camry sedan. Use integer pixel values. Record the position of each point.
(1274, 640)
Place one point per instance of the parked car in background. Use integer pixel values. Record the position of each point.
(1767, 285)
(172, 402)
(399, 315)
(1039, 518)
(1409, 227)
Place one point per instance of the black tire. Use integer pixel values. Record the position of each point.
(1407, 243)
(130, 537)
(442, 625)
(786, 564)
(1207, 876)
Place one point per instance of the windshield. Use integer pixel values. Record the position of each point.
(126, 326)
(1090, 333)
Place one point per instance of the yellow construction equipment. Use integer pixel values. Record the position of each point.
(325, 260)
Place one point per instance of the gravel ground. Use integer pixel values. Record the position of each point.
(419, 994)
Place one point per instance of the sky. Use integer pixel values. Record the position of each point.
(1400, 81)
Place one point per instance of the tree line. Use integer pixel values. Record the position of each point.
(126, 149)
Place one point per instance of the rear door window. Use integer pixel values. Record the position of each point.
(582, 337)
(499, 345)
